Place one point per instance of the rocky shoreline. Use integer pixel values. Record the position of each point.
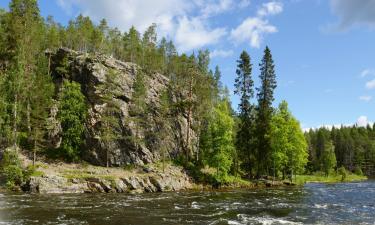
(53, 184)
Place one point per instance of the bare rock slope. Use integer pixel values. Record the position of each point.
(91, 70)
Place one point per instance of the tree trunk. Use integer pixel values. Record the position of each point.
(189, 119)
(15, 121)
(34, 156)
(28, 112)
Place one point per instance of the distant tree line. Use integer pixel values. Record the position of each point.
(350, 147)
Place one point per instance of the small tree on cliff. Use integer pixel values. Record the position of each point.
(110, 128)
(138, 107)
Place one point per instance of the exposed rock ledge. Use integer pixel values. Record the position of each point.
(48, 184)
(78, 178)
(173, 180)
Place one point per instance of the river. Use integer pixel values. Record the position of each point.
(343, 203)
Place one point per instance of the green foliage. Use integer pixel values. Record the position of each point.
(11, 168)
(328, 158)
(342, 172)
(72, 115)
(109, 121)
(245, 138)
(358, 171)
(222, 145)
(264, 111)
(289, 147)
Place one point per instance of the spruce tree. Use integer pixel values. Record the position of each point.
(264, 111)
(244, 88)
(110, 124)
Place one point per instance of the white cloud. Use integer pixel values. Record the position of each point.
(365, 98)
(370, 84)
(221, 53)
(214, 8)
(354, 12)
(252, 30)
(193, 33)
(362, 121)
(125, 13)
(270, 8)
(244, 4)
(367, 72)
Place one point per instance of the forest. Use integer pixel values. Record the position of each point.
(250, 141)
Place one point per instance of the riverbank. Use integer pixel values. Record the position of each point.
(303, 179)
(59, 177)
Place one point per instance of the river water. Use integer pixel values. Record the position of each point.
(343, 203)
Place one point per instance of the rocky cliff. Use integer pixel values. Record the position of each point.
(91, 72)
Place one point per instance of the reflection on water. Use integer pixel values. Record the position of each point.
(349, 203)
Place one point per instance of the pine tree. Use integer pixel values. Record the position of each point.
(244, 88)
(264, 111)
(138, 108)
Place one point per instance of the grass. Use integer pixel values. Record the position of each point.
(73, 174)
(333, 178)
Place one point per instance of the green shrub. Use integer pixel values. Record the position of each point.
(358, 171)
(342, 172)
(14, 175)
(10, 157)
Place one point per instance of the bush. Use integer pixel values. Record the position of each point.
(342, 172)
(10, 157)
(358, 171)
(14, 175)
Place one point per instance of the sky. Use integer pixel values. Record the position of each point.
(324, 50)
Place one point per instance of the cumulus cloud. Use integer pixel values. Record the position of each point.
(362, 121)
(244, 3)
(211, 8)
(367, 72)
(354, 12)
(370, 84)
(252, 30)
(192, 33)
(270, 8)
(365, 98)
(221, 53)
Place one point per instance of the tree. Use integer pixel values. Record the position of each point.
(42, 90)
(132, 46)
(109, 117)
(264, 111)
(23, 34)
(72, 115)
(162, 122)
(221, 130)
(289, 148)
(138, 107)
(328, 158)
(244, 88)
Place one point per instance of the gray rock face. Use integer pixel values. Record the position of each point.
(90, 71)
(55, 184)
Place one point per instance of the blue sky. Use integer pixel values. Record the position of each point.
(324, 50)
